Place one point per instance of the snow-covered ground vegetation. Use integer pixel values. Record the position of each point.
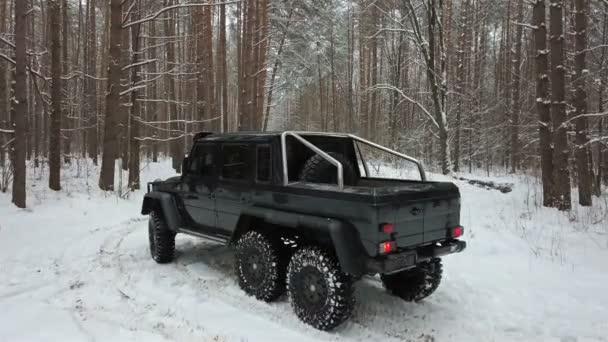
(75, 266)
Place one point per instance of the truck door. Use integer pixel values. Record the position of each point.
(234, 190)
(200, 181)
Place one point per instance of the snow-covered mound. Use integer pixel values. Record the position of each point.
(75, 266)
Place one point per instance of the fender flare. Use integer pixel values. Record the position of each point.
(344, 237)
(165, 203)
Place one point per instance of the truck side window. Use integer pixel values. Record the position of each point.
(264, 164)
(202, 160)
(236, 164)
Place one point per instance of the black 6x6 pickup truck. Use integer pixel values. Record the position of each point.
(309, 214)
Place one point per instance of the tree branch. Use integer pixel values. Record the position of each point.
(169, 8)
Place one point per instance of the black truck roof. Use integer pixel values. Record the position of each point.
(256, 135)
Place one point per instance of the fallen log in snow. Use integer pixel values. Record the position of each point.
(502, 187)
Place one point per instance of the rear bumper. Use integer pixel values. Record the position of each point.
(396, 262)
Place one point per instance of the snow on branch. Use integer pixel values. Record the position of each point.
(407, 98)
(169, 8)
(12, 61)
(176, 121)
(533, 27)
(132, 89)
(8, 131)
(135, 65)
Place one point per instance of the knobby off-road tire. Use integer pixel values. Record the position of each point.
(321, 294)
(261, 266)
(417, 283)
(162, 240)
(318, 170)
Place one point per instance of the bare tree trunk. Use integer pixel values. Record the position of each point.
(543, 101)
(67, 119)
(561, 174)
(223, 74)
(90, 82)
(172, 112)
(275, 68)
(20, 105)
(4, 91)
(516, 85)
(56, 97)
(135, 104)
(363, 71)
(111, 130)
(583, 153)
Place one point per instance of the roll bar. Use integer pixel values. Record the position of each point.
(329, 158)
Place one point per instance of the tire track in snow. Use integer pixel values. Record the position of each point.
(207, 268)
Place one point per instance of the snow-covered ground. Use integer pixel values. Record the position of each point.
(75, 266)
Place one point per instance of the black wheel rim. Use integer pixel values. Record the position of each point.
(311, 289)
(254, 268)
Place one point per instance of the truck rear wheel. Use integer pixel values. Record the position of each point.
(162, 240)
(321, 294)
(259, 266)
(417, 283)
(318, 170)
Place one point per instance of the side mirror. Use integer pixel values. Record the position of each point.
(185, 165)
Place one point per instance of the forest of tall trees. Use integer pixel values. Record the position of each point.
(464, 85)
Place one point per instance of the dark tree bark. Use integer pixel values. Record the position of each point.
(111, 130)
(90, 84)
(67, 120)
(583, 153)
(223, 70)
(561, 173)
(543, 101)
(134, 116)
(516, 86)
(56, 97)
(20, 105)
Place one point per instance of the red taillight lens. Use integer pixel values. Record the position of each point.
(387, 247)
(457, 231)
(387, 228)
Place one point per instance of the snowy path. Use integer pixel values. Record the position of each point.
(75, 267)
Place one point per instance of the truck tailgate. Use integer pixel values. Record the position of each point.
(420, 212)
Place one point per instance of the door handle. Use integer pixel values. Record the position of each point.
(191, 197)
(415, 211)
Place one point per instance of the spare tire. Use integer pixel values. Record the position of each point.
(318, 170)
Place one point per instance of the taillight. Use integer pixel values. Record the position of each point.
(387, 228)
(457, 232)
(387, 247)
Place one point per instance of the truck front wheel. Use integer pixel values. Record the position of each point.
(259, 266)
(321, 294)
(162, 240)
(417, 283)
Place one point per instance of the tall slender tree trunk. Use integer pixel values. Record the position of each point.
(20, 105)
(4, 91)
(172, 110)
(67, 119)
(135, 114)
(583, 152)
(111, 129)
(516, 85)
(561, 174)
(223, 74)
(363, 71)
(56, 97)
(90, 82)
(543, 101)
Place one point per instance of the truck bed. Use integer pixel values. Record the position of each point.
(422, 212)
